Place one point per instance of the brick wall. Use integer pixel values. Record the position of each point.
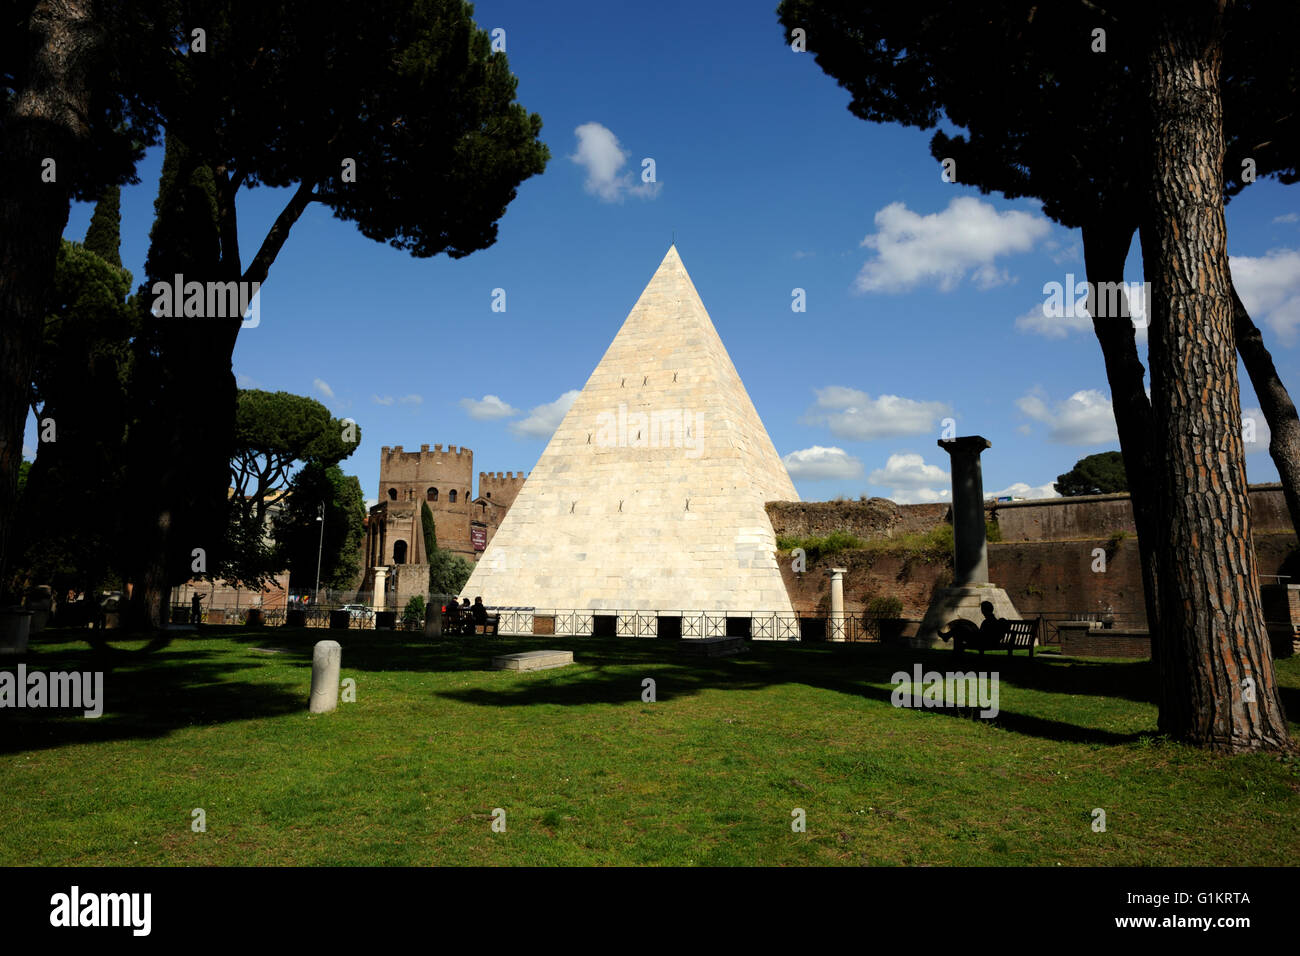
(1099, 516)
(870, 519)
(1048, 519)
(1102, 642)
(1039, 576)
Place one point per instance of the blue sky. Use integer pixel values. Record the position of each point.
(920, 294)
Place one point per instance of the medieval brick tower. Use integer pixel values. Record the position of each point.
(440, 479)
(464, 525)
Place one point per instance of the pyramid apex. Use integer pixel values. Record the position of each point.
(672, 262)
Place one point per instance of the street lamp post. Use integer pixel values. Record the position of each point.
(319, 548)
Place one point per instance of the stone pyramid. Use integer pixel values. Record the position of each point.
(650, 494)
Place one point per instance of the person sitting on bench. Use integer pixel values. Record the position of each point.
(479, 611)
(992, 629)
(986, 637)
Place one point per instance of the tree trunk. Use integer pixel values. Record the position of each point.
(185, 393)
(46, 121)
(1106, 243)
(1216, 669)
(1274, 401)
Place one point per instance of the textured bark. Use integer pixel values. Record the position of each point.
(45, 119)
(1106, 243)
(1275, 402)
(1216, 644)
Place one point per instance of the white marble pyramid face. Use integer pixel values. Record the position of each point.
(650, 494)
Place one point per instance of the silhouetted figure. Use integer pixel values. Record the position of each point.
(986, 636)
(196, 609)
(480, 614)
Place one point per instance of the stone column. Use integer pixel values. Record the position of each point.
(377, 598)
(835, 625)
(326, 658)
(970, 547)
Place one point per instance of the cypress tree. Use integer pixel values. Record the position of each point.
(430, 533)
(104, 237)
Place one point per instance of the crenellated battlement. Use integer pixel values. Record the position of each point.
(399, 452)
(501, 486)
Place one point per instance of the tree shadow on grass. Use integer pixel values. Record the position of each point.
(151, 694)
(144, 697)
(850, 671)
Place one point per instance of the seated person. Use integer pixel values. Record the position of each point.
(986, 636)
(479, 611)
(992, 628)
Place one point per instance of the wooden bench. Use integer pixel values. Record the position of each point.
(1015, 634)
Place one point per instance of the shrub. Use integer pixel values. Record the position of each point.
(413, 616)
(815, 547)
(884, 607)
(879, 609)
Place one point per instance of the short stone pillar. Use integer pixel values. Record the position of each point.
(835, 626)
(970, 542)
(326, 659)
(378, 599)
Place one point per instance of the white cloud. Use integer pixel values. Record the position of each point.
(1269, 286)
(910, 480)
(411, 399)
(917, 496)
(371, 502)
(909, 471)
(1262, 433)
(1288, 217)
(1085, 418)
(800, 254)
(487, 408)
(1021, 490)
(246, 381)
(818, 463)
(542, 421)
(323, 387)
(1062, 253)
(947, 247)
(600, 154)
(1037, 321)
(853, 414)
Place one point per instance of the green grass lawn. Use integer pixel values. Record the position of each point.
(587, 773)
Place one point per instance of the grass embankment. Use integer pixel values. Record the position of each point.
(935, 543)
(588, 773)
